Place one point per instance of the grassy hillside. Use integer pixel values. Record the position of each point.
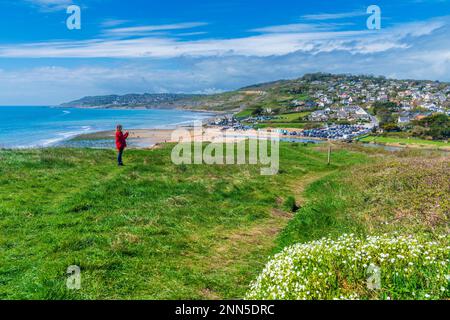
(404, 141)
(148, 230)
(152, 230)
(396, 210)
(406, 192)
(274, 95)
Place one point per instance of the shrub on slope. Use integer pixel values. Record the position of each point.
(348, 268)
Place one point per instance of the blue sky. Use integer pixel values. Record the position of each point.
(209, 46)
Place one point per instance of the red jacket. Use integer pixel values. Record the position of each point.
(121, 140)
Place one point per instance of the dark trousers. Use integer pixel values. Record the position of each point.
(119, 157)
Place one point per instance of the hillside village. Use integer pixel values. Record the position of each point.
(343, 97)
(315, 105)
(326, 104)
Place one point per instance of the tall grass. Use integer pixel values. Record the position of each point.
(397, 206)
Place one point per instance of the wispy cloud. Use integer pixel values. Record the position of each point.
(302, 27)
(333, 16)
(190, 34)
(109, 23)
(50, 5)
(145, 30)
(285, 41)
(414, 50)
(287, 28)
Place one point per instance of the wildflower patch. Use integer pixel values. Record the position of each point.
(378, 267)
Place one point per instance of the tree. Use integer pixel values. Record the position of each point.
(385, 112)
(258, 111)
(390, 127)
(436, 126)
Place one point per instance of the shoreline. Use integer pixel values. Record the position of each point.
(216, 112)
(149, 138)
(138, 138)
(83, 129)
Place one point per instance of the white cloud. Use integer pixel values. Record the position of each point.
(295, 27)
(50, 5)
(334, 16)
(145, 30)
(416, 50)
(302, 27)
(276, 41)
(54, 84)
(109, 23)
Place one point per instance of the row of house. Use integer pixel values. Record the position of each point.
(335, 91)
(349, 113)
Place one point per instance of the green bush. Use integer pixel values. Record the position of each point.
(408, 268)
(290, 204)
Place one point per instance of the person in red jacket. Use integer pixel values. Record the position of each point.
(121, 143)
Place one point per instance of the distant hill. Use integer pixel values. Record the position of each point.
(228, 101)
(248, 97)
(279, 96)
(157, 100)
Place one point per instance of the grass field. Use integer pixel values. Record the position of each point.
(148, 230)
(397, 206)
(404, 141)
(287, 125)
(290, 117)
(402, 192)
(153, 230)
(244, 114)
(288, 120)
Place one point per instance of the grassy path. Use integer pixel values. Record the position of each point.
(151, 230)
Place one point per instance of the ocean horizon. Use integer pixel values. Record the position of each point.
(46, 126)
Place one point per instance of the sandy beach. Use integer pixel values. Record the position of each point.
(148, 138)
(144, 137)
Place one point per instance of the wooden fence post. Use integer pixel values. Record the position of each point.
(329, 155)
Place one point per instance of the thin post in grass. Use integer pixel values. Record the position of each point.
(329, 155)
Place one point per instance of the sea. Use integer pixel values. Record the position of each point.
(34, 127)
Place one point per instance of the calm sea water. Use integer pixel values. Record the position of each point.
(25, 127)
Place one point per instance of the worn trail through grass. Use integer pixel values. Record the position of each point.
(150, 230)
